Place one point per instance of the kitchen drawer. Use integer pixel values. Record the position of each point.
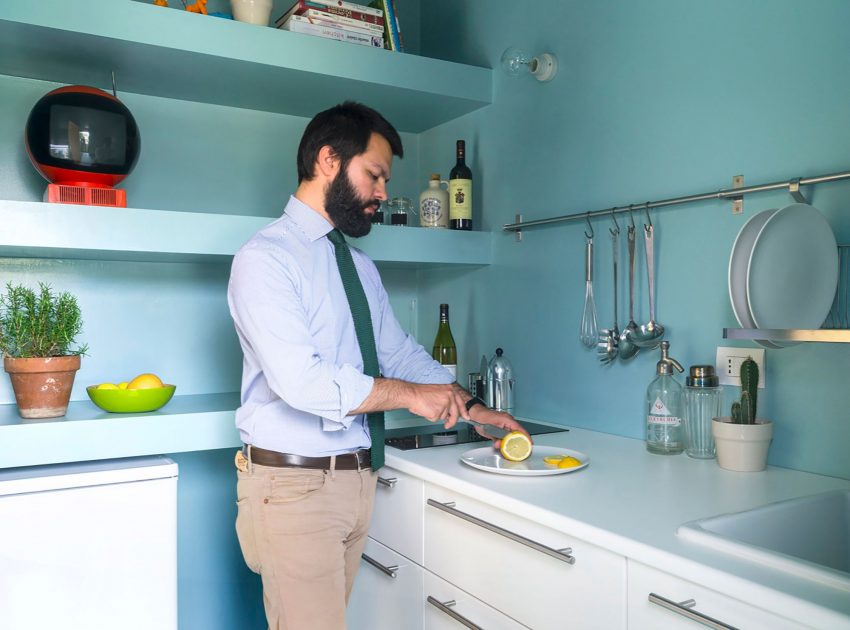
(387, 596)
(397, 519)
(645, 615)
(460, 603)
(512, 570)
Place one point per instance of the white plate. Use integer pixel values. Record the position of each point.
(738, 263)
(793, 270)
(487, 458)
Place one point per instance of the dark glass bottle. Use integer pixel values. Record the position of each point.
(460, 192)
(445, 350)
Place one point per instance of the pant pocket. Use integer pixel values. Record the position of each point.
(246, 533)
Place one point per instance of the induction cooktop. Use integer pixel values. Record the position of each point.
(427, 436)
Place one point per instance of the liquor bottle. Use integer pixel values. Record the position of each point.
(445, 350)
(664, 435)
(460, 192)
(434, 204)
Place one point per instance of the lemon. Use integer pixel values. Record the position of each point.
(569, 462)
(123, 385)
(107, 386)
(145, 381)
(516, 446)
(553, 460)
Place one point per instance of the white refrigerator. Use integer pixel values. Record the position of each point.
(90, 545)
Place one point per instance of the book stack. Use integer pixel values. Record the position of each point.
(337, 19)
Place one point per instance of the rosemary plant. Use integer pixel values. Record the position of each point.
(39, 323)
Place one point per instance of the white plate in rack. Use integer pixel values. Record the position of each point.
(488, 459)
(793, 270)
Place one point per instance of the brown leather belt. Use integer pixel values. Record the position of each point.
(359, 460)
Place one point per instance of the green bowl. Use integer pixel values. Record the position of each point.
(130, 400)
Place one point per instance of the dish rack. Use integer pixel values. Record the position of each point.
(836, 327)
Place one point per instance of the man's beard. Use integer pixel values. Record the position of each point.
(346, 209)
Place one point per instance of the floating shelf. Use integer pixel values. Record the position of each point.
(186, 423)
(827, 335)
(47, 230)
(175, 54)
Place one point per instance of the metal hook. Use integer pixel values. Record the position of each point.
(648, 219)
(588, 236)
(616, 231)
(631, 218)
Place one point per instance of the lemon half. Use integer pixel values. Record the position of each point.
(516, 446)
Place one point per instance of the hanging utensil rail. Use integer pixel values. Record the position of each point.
(793, 186)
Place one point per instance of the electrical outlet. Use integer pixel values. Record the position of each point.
(729, 360)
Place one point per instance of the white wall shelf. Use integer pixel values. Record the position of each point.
(47, 230)
(174, 54)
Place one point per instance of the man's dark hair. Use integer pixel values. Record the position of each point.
(346, 128)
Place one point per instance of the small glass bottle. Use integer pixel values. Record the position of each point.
(703, 401)
(664, 435)
(401, 209)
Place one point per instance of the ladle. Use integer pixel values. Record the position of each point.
(650, 334)
(626, 348)
(609, 339)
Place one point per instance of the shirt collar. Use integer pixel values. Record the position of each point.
(314, 225)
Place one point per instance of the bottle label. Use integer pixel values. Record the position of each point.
(452, 369)
(670, 421)
(431, 212)
(460, 199)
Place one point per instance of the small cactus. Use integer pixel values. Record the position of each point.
(744, 412)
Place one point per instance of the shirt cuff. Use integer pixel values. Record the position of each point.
(354, 387)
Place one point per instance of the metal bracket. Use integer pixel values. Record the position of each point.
(737, 202)
(518, 233)
(794, 189)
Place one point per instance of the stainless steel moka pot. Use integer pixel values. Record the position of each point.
(500, 383)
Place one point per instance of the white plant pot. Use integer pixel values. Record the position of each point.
(742, 447)
(252, 11)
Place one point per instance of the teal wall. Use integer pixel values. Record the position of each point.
(654, 99)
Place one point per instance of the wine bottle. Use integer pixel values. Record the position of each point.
(460, 192)
(445, 350)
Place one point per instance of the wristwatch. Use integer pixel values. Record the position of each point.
(475, 400)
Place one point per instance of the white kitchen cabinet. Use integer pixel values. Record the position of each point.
(387, 593)
(521, 568)
(399, 507)
(693, 606)
(449, 608)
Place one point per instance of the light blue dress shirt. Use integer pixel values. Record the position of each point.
(302, 372)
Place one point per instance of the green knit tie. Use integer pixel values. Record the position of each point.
(365, 335)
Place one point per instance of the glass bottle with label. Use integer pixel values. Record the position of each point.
(664, 434)
(445, 350)
(434, 204)
(460, 192)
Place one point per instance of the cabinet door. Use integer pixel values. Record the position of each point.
(397, 519)
(449, 608)
(387, 592)
(518, 566)
(699, 601)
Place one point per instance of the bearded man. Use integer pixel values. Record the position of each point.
(324, 357)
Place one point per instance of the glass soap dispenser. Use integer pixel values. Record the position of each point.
(664, 398)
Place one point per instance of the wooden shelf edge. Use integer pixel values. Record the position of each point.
(823, 335)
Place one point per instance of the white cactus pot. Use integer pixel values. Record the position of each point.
(742, 447)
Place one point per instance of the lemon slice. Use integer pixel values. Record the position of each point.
(516, 446)
(553, 460)
(569, 462)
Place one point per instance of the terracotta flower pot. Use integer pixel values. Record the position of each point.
(42, 385)
(742, 447)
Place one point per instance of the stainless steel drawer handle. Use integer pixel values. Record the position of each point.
(392, 571)
(685, 609)
(565, 555)
(388, 482)
(446, 608)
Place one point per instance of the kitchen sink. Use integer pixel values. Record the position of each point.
(808, 536)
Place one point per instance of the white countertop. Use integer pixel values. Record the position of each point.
(631, 502)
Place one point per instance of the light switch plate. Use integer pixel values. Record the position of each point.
(728, 364)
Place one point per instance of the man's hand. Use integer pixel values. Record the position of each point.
(433, 402)
(490, 417)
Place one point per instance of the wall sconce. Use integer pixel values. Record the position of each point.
(543, 67)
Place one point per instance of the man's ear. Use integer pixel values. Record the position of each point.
(327, 163)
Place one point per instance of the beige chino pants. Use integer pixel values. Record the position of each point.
(303, 531)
